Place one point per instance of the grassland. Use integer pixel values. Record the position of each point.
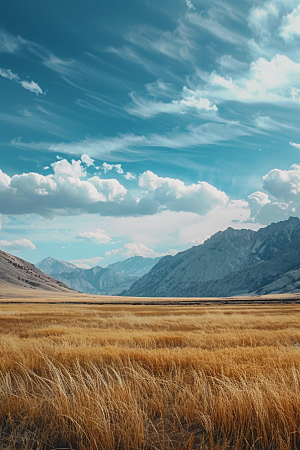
(149, 377)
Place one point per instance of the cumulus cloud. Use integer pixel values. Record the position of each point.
(66, 192)
(17, 245)
(129, 176)
(31, 86)
(176, 196)
(117, 167)
(87, 160)
(290, 25)
(275, 80)
(282, 196)
(138, 249)
(98, 236)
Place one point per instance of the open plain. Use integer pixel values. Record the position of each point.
(90, 376)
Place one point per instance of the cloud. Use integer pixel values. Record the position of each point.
(63, 168)
(61, 193)
(132, 147)
(146, 108)
(117, 167)
(98, 236)
(260, 18)
(129, 176)
(137, 249)
(31, 86)
(17, 245)
(293, 144)
(189, 4)
(176, 196)
(271, 81)
(282, 196)
(70, 191)
(290, 25)
(9, 43)
(87, 160)
(212, 26)
(88, 262)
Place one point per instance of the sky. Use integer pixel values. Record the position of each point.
(144, 127)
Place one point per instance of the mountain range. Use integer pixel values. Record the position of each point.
(109, 280)
(231, 262)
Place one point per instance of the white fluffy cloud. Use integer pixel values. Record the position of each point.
(31, 86)
(290, 26)
(98, 236)
(282, 196)
(274, 80)
(17, 245)
(69, 191)
(117, 167)
(63, 193)
(176, 196)
(138, 249)
(86, 159)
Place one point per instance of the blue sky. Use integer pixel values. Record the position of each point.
(143, 127)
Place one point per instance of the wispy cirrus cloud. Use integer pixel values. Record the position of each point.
(31, 86)
(10, 43)
(132, 147)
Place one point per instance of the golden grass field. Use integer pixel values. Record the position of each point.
(161, 377)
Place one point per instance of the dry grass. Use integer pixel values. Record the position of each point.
(111, 377)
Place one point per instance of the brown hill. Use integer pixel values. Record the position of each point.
(16, 272)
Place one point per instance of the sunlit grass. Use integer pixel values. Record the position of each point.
(142, 377)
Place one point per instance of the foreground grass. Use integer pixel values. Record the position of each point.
(97, 377)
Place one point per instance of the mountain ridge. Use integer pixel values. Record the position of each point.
(198, 271)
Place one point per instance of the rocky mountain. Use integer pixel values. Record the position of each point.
(136, 266)
(56, 266)
(17, 272)
(106, 281)
(231, 262)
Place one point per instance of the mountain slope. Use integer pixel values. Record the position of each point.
(226, 264)
(17, 272)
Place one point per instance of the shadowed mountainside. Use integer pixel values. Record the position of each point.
(231, 262)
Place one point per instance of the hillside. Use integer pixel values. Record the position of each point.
(16, 272)
(232, 262)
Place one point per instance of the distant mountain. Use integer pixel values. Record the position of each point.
(136, 266)
(105, 281)
(20, 273)
(54, 266)
(232, 262)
